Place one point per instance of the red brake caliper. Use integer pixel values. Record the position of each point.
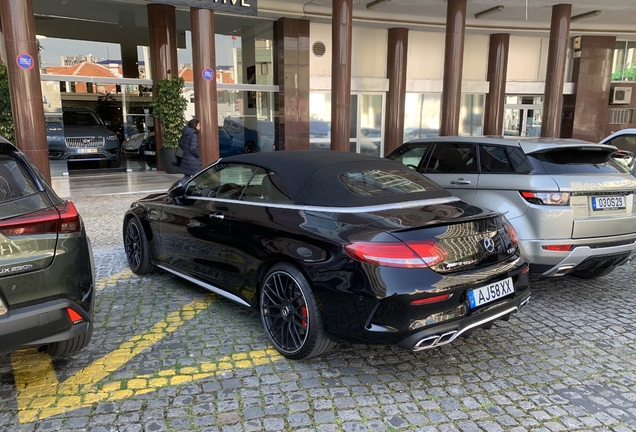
(303, 312)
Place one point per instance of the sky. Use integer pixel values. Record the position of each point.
(54, 48)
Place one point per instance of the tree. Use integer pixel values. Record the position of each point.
(6, 117)
(169, 106)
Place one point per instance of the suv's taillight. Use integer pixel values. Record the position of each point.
(416, 254)
(62, 218)
(547, 198)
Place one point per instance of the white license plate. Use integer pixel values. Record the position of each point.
(86, 150)
(150, 153)
(608, 203)
(489, 293)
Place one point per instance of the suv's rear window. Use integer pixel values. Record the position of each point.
(380, 182)
(15, 182)
(578, 161)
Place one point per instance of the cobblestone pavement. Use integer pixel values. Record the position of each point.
(168, 356)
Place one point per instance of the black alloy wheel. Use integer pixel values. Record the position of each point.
(290, 314)
(137, 250)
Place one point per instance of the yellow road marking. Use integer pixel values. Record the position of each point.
(113, 279)
(41, 395)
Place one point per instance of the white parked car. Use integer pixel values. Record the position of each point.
(625, 141)
(132, 144)
(571, 203)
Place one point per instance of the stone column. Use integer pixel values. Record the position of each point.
(25, 88)
(163, 51)
(453, 64)
(291, 74)
(592, 76)
(396, 97)
(341, 32)
(497, 71)
(555, 75)
(204, 71)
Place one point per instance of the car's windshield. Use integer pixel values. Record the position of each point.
(80, 118)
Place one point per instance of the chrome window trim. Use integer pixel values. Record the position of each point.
(364, 209)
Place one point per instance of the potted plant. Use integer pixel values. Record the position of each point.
(168, 107)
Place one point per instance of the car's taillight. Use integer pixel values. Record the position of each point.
(69, 218)
(417, 254)
(514, 238)
(547, 198)
(62, 218)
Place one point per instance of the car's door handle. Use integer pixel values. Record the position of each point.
(460, 181)
(217, 215)
(153, 215)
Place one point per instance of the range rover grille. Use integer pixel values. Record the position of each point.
(81, 142)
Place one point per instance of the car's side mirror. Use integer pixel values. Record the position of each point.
(177, 191)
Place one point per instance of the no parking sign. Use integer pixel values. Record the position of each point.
(208, 74)
(25, 61)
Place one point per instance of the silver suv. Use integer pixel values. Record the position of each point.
(570, 202)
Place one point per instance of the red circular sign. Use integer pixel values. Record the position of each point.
(25, 61)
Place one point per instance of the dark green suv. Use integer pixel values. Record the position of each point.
(47, 278)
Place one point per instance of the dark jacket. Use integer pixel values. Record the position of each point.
(189, 142)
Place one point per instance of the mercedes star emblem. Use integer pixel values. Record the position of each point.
(489, 244)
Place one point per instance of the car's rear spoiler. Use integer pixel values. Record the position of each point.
(530, 147)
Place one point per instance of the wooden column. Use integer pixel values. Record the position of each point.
(555, 75)
(497, 71)
(204, 71)
(163, 52)
(291, 74)
(397, 58)
(453, 64)
(341, 28)
(18, 27)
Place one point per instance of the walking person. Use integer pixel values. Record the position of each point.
(189, 143)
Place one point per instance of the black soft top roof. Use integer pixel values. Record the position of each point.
(312, 177)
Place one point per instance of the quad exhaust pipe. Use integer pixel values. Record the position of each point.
(437, 340)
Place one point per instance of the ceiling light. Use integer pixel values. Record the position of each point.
(489, 11)
(585, 15)
(376, 3)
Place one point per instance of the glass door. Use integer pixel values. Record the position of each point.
(523, 115)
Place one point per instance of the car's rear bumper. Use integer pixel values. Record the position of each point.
(40, 325)
(617, 250)
(447, 333)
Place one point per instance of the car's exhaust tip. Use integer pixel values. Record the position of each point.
(44, 348)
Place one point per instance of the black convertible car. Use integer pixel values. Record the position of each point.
(334, 246)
